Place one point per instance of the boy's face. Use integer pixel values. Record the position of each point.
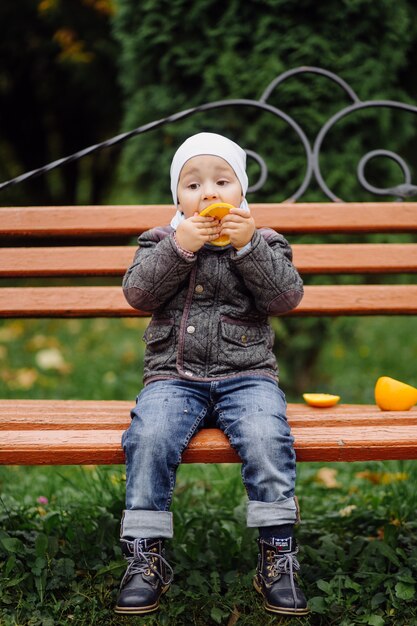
(206, 179)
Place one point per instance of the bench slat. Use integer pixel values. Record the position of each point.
(131, 220)
(94, 429)
(109, 301)
(355, 258)
(67, 447)
(115, 415)
(114, 260)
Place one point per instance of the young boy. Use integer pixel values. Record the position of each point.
(209, 355)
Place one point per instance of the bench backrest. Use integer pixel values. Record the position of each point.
(37, 246)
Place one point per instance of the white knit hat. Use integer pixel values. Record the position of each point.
(215, 145)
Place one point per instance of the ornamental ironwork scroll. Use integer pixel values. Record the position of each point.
(312, 171)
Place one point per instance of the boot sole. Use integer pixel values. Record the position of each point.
(276, 609)
(143, 610)
(140, 610)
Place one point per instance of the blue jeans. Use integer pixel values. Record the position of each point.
(250, 410)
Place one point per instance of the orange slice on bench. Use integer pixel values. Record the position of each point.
(393, 395)
(321, 400)
(219, 210)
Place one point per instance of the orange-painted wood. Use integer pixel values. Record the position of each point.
(89, 432)
(358, 300)
(114, 260)
(355, 258)
(110, 302)
(314, 217)
(83, 432)
(115, 414)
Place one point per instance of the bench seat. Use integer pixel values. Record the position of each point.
(66, 432)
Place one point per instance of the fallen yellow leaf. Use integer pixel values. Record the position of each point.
(327, 476)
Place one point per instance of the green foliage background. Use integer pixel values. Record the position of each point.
(74, 73)
(58, 94)
(175, 55)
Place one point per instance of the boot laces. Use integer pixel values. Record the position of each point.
(286, 563)
(141, 562)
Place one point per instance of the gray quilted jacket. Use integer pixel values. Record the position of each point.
(210, 313)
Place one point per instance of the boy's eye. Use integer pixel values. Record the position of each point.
(193, 186)
(222, 182)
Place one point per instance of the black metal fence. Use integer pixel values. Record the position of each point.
(312, 150)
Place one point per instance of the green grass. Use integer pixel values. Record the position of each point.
(61, 563)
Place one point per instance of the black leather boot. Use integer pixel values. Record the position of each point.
(276, 578)
(147, 577)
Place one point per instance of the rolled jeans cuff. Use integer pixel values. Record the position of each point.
(272, 513)
(140, 524)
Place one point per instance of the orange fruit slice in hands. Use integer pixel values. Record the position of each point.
(219, 210)
(393, 395)
(321, 400)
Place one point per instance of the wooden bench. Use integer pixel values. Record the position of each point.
(88, 432)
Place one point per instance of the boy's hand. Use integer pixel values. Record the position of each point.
(239, 225)
(195, 231)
